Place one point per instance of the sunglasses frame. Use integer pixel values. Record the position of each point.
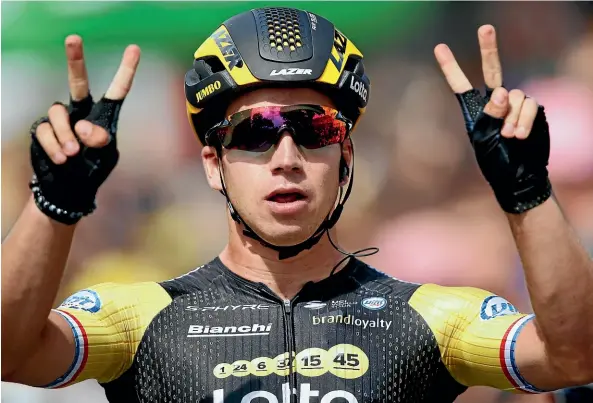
(227, 122)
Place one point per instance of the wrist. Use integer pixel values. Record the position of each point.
(54, 211)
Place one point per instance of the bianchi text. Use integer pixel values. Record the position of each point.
(351, 320)
(222, 331)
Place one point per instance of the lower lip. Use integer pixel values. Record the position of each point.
(289, 208)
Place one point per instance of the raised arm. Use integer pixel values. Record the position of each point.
(510, 137)
(73, 151)
(557, 350)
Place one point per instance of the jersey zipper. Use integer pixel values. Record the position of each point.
(289, 334)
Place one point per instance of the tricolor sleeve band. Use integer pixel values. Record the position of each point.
(81, 346)
(477, 333)
(108, 322)
(507, 356)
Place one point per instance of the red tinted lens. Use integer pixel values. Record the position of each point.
(258, 129)
(319, 127)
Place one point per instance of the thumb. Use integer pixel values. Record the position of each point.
(498, 105)
(92, 135)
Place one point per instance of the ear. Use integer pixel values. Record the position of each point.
(347, 156)
(211, 167)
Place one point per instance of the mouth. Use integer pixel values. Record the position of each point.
(286, 195)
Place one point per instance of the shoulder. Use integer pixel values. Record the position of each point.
(377, 282)
(437, 300)
(200, 279)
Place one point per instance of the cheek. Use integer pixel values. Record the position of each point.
(243, 182)
(323, 165)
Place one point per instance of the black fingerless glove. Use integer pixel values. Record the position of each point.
(515, 169)
(67, 192)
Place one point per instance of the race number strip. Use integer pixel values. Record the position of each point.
(507, 356)
(80, 354)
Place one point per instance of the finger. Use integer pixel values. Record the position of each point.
(77, 74)
(46, 137)
(516, 98)
(490, 59)
(498, 105)
(91, 135)
(451, 70)
(122, 82)
(526, 118)
(60, 121)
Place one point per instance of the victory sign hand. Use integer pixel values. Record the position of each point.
(507, 130)
(74, 147)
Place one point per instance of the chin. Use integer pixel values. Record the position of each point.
(286, 234)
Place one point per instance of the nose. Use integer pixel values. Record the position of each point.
(287, 156)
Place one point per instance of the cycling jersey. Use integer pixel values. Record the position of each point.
(356, 336)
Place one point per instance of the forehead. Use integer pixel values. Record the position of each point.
(278, 97)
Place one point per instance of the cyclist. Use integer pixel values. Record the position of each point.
(274, 95)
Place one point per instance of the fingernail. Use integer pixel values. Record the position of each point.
(508, 129)
(71, 147)
(520, 132)
(84, 128)
(498, 98)
(59, 158)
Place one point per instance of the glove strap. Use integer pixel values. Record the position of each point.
(54, 212)
(531, 193)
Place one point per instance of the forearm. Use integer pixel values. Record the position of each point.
(33, 259)
(559, 277)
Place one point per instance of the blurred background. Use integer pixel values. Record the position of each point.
(418, 194)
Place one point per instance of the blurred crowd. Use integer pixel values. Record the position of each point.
(418, 194)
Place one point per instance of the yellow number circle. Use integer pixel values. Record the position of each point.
(223, 370)
(282, 364)
(312, 362)
(347, 361)
(241, 368)
(262, 366)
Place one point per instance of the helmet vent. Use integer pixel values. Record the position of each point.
(283, 34)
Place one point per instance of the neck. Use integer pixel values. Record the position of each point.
(251, 260)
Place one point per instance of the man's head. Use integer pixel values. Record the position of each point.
(308, 77)
(286, 192)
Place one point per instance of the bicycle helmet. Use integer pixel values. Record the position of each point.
(274, 47)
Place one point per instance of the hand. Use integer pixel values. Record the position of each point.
(508, 130)
(74, 148)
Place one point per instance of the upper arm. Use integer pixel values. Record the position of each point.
(93, 334)
(483, 339)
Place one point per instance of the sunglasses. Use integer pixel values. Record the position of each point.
(258, 129)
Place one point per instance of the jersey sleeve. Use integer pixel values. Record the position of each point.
(108, 322)
(476, 332)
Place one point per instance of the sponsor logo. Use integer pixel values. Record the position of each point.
(292, 71)
(209, 89)
(352, 321)
(226, 308)
(374, 303)
(495, 306)
(85, 300)
(342, 304)
(228, 49)
(313, 18)
(223, 331)
(359, 88)
(305, 395)
(315, 305)
(339, 48)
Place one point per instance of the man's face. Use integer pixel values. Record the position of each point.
(285, 193)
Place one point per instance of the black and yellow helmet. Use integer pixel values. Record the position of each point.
(274, 47)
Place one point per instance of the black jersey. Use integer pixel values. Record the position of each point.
(356, 336)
